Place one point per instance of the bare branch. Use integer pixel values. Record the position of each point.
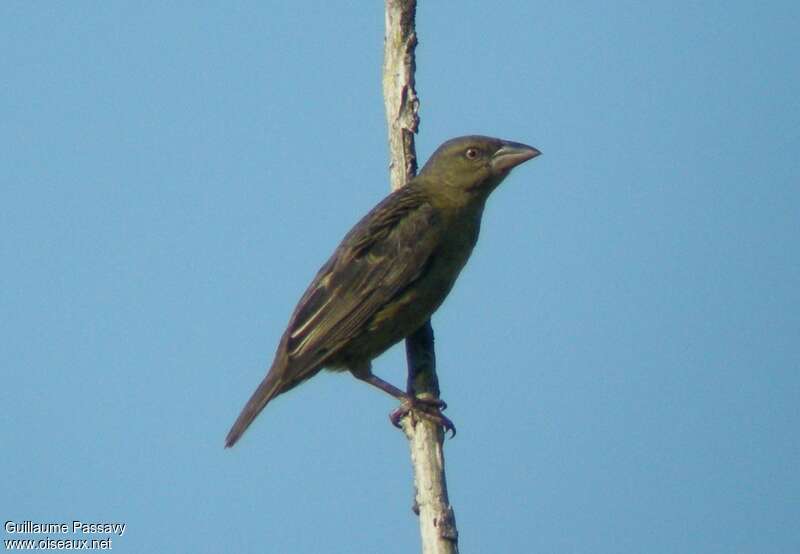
(399, 95)
(436, 516)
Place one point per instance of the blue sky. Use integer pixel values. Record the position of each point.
(621, 354)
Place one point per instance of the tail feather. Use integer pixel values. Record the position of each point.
(269, 388)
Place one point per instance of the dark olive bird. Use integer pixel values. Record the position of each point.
(391, 271)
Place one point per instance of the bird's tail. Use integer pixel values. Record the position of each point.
(269, 388)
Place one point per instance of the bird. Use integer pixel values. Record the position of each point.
(390, 273)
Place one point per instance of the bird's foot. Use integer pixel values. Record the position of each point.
(428, 408)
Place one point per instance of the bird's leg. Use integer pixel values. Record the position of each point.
(430, 408)
(386, 387)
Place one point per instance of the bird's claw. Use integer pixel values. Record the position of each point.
(429, 408)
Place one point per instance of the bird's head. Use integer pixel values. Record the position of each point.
(475, 164)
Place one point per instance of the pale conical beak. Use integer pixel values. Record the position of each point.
(511, 154)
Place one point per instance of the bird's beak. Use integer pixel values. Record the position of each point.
(511, 154)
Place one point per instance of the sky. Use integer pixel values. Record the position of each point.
(621, 356)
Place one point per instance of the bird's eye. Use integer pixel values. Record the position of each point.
(471, 153)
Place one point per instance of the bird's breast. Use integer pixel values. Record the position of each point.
(414, 304)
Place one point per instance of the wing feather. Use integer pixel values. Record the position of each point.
(382, 255)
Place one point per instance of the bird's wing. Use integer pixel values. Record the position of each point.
(384, 253)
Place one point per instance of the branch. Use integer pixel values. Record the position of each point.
(399, 95)
(436, 517)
